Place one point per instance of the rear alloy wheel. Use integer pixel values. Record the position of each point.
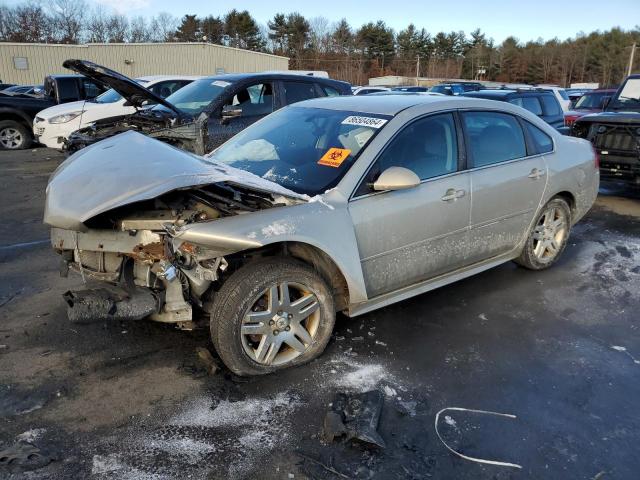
(13, 136)
(270, 315)
(548, 237)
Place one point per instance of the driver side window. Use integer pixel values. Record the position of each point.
(428, 147)
(251, 101)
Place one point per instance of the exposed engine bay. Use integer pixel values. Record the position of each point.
(180, 131)
(131, 248)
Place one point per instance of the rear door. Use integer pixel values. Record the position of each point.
(507, 184)
(552, 111)
(407, 236)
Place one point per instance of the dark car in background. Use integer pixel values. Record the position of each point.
(23, 90)
(18, 111)
(205, 113)
(615, 133)
(448, 89)
(414, 88)
(457, 88)
(540, 102)
(593, 101)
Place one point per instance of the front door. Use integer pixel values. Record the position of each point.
(243, 108)
(407, 236)
(506, 184)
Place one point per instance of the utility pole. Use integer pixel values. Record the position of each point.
(418, 70)
(633, 53)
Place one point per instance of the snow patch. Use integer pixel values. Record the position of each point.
(31, 436)
(278, 228)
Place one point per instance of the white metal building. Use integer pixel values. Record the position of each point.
(29, 63)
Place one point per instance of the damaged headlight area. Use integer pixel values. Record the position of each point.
(144, 270)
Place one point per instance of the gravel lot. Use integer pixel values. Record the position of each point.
(558, 349)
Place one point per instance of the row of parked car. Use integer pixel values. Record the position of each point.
(199, 113)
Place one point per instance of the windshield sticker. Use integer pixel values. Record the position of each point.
(372, 122)
(334, 157)
(220, 83)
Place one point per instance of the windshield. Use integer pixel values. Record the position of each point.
(629, 95)
(111, 95)
(306, 150)
(196, 96)
(591, 101)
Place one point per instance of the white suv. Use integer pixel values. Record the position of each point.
(54, 124)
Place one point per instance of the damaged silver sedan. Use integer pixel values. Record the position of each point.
(334, 205)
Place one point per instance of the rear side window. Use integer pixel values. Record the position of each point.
(298, 91)
(528, 103)
(551, 105)
(330, 91)
(493, 137)
(542, 142)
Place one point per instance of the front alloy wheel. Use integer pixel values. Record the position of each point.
(281, 324)
(271, 314)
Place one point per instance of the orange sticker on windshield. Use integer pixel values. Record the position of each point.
(334, 157)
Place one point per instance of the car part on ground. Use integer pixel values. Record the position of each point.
(313, 211)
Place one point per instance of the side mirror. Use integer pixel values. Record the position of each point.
(396, 178)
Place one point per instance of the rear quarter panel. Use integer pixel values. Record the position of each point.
(572, 169)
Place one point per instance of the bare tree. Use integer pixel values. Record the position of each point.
(139, 30)
(163, 27)
(97, 26)
(117, 28)
(68, 19)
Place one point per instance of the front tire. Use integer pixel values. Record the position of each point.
(548, 237)
(14, 136)
(270, 315)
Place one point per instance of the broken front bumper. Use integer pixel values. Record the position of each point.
(132, 262)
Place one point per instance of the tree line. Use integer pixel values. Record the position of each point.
(347, 53)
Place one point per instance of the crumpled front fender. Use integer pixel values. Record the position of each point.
(326, 227)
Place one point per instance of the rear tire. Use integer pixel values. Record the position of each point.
(270, 315)
(14, 136)
(548, 237)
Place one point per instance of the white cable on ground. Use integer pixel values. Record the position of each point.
(479, 460)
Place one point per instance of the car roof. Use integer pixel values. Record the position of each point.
(376, 104)
(159, 78)
(503, 93)
(235, 77)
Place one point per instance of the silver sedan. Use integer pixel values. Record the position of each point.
(344, 204)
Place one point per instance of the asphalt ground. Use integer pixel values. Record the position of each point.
(558, 349)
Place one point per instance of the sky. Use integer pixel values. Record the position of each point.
(499, 19)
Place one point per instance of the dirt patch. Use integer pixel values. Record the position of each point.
(99, 402)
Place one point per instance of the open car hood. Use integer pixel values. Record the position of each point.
(129, 168)
(131, 90)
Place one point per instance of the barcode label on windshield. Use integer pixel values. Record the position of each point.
(372, 122)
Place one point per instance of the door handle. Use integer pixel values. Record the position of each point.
(536, 174)
(452, 194)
